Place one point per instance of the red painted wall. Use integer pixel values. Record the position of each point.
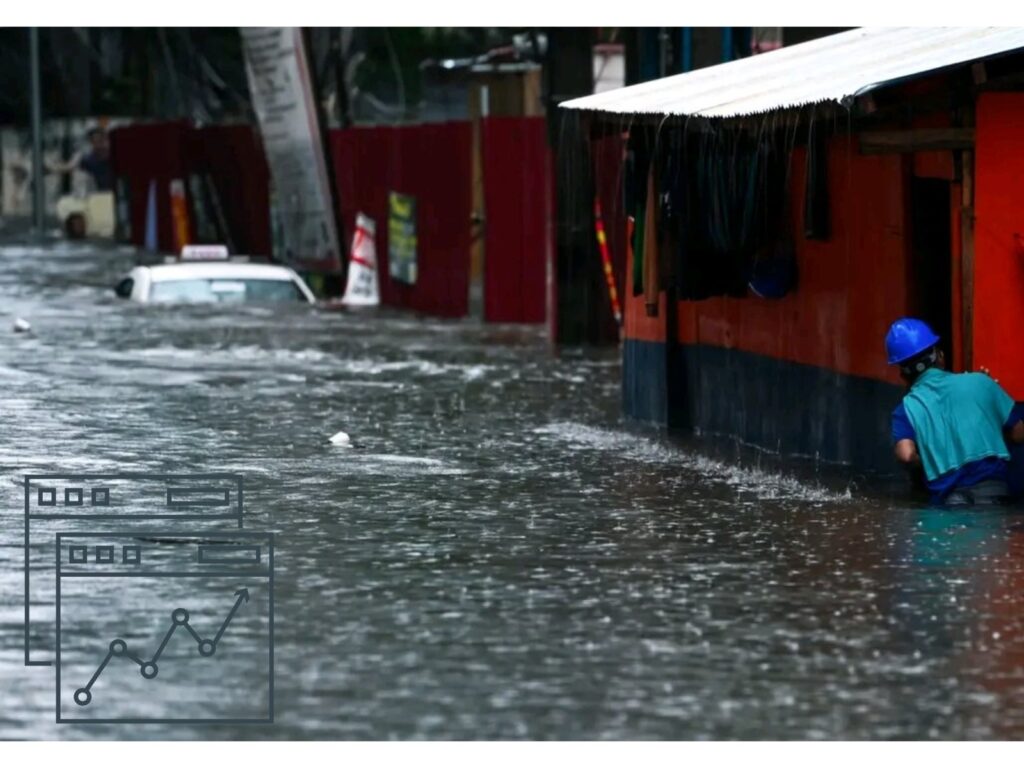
(999, 216)
(851, 287)
(433, 164)
(517, 207)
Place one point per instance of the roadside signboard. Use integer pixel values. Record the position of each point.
(282, 95)
(402, 238)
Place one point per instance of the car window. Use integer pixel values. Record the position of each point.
(226, 291)
(124, 288)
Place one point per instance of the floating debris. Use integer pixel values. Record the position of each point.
(342, 440)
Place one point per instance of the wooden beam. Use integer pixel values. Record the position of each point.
(916, 140)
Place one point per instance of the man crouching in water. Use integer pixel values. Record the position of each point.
(953, 425)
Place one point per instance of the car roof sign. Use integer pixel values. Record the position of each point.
(204, 253)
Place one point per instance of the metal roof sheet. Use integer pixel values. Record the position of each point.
(829, 69)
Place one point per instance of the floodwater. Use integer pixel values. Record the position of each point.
(498, 556)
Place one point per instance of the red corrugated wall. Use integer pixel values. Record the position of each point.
(146, 152)
(234, 157)
(517, 203)
(232, 154)
(999, 221)
(433, 164)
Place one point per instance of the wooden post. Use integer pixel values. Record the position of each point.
(967, 256)
(956, 280)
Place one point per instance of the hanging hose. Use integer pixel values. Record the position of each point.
(606, 261)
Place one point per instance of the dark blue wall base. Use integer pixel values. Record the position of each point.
(644, 381)
(779, 406)
(786, 408)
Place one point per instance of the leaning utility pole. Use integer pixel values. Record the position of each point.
(38, 183)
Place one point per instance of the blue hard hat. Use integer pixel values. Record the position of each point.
(907, 338)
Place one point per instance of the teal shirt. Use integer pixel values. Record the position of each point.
(958, 418)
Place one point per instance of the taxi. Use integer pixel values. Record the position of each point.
(207, 274)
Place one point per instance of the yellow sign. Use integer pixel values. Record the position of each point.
(402, 238)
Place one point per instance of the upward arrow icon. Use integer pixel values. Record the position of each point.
(242, 595)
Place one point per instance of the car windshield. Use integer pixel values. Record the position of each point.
(226, 291)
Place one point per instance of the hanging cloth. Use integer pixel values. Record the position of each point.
(638, 163)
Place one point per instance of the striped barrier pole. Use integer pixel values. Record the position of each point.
(606, 262)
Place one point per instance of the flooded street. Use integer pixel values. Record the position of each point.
(498, 556)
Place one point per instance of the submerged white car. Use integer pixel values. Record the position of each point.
(214, 282)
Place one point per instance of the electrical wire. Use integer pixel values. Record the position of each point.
(399, 80)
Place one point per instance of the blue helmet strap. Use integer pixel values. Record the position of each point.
(921, 363)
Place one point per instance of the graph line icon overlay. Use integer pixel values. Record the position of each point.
(150, 669)
(94, 501)
(192, 642)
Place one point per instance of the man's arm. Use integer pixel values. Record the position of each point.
(904, 437)
(906, 452)
(63, 166)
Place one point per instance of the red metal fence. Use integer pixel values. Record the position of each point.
(155, 154)
(431, 163)
(233, 157)
(517, 199)
(144, 154)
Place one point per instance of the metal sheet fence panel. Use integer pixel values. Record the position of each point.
(517, 205)
(432, 164)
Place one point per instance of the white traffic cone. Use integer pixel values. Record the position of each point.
(363, 288)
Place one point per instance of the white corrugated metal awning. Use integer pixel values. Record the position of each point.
(829, 69)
